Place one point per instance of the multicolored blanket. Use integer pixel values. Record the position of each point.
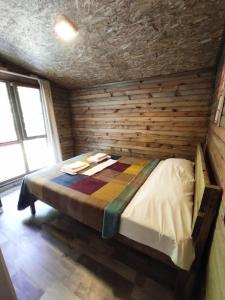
(96, 200)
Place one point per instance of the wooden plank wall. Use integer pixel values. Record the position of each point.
(61, 103)
(159, 117)
(215, 288)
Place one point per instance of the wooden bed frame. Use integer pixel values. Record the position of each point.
(207, 198)
(206, 203)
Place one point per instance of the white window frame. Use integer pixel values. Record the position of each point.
(49, 119)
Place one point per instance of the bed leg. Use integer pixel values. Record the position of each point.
(32, 209)
(1, 208)
(184, 286)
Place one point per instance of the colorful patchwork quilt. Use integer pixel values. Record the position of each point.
(96, 200)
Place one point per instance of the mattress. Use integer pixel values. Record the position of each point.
(95, 199)
(160, 214)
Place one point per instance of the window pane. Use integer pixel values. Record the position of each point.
(11, 162)
(7, 128)
(38, 153)
(32, 111)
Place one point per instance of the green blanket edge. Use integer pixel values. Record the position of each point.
(113, 211)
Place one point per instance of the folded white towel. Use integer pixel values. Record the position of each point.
(98, 157)
(73, 168)
(64, 170)
(76, 165)
(99, 167)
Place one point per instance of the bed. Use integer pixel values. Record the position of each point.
(109, 201)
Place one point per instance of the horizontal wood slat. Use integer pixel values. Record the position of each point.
(153, 102)
(152, 118)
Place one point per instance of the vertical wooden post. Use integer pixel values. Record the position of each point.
(32, 209)
(184, 285)
(1, 208)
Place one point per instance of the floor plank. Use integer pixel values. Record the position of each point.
(25, 288)
(53, 257)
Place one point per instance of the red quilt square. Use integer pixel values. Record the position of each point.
(88, 185)
(119, 167)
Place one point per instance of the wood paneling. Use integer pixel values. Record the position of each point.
(62, 111)
(215, 289)
(158, 117)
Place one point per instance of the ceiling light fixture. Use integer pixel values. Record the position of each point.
(65, 29)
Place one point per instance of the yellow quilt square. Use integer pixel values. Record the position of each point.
(134, 169)
(124, 178)
(109, 191)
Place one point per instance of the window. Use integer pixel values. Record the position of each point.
(24, 145)
(220, 109)
(31, 111)
(6, 117)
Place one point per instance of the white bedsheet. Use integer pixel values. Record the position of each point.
(160, 214)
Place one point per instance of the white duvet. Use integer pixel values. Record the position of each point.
(160, 214)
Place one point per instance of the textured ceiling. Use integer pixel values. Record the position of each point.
(118, 40)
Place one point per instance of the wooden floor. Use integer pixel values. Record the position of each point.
(52, 257)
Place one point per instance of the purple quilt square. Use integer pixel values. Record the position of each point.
(88, 185)
(119, 167)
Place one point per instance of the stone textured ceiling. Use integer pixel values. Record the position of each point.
(118, 40)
